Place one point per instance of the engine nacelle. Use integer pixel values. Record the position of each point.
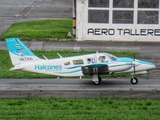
(95, 70)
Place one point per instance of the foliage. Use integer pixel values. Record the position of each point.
(42, 29)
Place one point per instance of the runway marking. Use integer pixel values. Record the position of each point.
(29, 5)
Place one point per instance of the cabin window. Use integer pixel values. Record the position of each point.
(113, 58)
(77, 62)
(91, 60)
(67, 63)
(102, 58)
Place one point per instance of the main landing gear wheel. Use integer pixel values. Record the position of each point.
(134, 80)
(98, 81)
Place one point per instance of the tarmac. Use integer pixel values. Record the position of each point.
(78, 88)
(141, 47)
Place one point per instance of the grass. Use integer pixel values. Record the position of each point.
(43, 29)
(79, 109)
(6, 63)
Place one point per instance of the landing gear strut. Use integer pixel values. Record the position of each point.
(134, 80)
(96, 79)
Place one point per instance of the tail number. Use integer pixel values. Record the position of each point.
(26, 59)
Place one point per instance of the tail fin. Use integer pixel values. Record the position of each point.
(19, 53)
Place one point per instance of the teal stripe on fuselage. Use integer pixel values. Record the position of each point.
(146, 63)
(131, 60)
(73, 67)
(119, 65)
(70, 72)
(96, 65)
(125, 59)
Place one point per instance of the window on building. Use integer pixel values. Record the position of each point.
(148, 17)
(98, 3)
(98, 16)
(122, 16)
(123, 3)
(148, 3)
(124, 12)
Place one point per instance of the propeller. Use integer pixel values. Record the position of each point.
(133, 63)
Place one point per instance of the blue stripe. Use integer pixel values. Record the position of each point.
(119, 65)
(74, 67)
(71, 72)
(146, 63)
(125, 59)
(97, 65)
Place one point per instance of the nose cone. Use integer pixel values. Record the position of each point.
(152, 66)
(148, 65)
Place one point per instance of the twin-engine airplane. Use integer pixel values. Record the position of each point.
(91, 64)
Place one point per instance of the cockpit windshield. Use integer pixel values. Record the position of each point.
(113, 58)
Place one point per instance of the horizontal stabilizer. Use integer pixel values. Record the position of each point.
(17, 67)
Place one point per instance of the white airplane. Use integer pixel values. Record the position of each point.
(91, 64)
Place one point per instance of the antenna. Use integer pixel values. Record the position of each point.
(59, 55)
(45, 57)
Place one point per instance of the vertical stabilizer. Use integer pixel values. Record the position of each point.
(19, 53)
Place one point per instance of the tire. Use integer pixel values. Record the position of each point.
(97, 82)
(134, 80)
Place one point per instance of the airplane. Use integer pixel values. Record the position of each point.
(95, 64)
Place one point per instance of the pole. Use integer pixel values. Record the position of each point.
(74, 18)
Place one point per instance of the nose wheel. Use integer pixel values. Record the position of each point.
(96, 79)
(134, 80)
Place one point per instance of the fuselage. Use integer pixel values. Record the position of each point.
(72, 66)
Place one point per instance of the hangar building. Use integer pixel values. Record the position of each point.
(118, 20)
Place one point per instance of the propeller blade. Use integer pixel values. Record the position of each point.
(134, 66)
